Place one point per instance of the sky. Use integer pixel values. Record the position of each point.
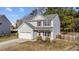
(15, 13)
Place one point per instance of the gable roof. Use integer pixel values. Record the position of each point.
(47, 17)
(30, 25)
(31, 18)
(27, 24)
(24, 19)
(36, 28)
(51, 16)
(3, 16)
(38, 17)
(0, 18)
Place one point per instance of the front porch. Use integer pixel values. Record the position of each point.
(42, 33)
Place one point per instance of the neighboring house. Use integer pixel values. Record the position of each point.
(5, 25)
(40, 25)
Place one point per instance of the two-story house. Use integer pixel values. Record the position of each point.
(40, 25)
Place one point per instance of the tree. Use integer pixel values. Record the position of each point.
(67, 17)
(67, 24)
(38, 10)
(77, 24)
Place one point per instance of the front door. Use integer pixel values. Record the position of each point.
(43, 34)
(46, 34)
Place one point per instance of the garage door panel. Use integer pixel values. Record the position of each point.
(25, 35)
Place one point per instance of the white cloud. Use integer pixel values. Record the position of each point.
(9, 9)
(21, 9)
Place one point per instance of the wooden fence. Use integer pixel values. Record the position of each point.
(69, 37)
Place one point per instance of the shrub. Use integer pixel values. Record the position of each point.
(39, 38)
(64, 33)
(58, 36)
(47, 39)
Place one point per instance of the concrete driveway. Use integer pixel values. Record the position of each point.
(9, 43)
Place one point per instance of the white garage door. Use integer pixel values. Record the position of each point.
(25, 35)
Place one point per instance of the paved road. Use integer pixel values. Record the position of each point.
(9, 43)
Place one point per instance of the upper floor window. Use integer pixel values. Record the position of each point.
(46, 23)
(39, 23)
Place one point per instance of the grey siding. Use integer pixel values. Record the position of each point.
(5, 26)
(56, 27)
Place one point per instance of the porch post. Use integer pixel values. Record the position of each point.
(44, 35)
(41, 35)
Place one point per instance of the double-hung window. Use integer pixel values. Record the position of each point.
(39, 23)
(46, 23)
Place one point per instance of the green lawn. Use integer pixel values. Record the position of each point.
(58, 45)
(8, 37)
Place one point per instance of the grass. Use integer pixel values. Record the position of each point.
(8, 37)
(57, 45)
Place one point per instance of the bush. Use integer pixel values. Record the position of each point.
(47, 39)
(58, 36)
(39, 38)
(64, 33)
